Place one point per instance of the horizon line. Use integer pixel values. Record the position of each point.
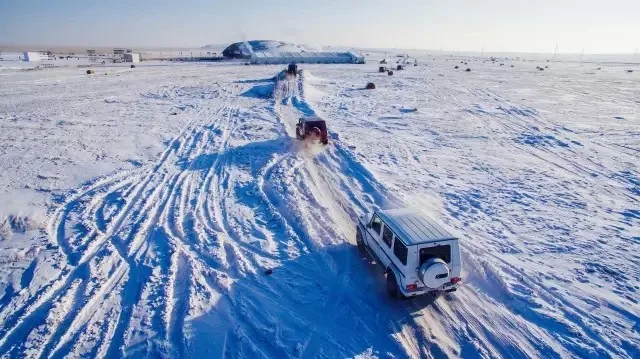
(42, 47)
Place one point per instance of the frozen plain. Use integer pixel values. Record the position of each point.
(140, 209)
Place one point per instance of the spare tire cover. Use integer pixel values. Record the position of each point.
(315, 132)
(434, 273)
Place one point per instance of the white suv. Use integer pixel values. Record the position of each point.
(417, 254)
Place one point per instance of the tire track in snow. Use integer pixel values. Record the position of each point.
(335, 205)
(158, 190)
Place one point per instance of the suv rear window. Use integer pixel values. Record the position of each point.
(387, 236)
(442, 252)
(400, 250)
(319, 124)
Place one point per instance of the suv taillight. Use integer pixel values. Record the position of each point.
(455, 280)
(412, 287)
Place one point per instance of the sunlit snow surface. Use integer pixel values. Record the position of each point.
(141, 207)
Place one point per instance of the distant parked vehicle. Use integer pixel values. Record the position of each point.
(418, 255)
(312, 128)
(292, 69)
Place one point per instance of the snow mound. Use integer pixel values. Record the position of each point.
(243, 50)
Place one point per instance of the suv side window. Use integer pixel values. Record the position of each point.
(376, 224)
(387, 236)
(400, 251)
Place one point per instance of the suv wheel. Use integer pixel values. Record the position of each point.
(392, 286)
(359, 241)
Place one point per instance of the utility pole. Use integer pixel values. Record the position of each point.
(555, 53)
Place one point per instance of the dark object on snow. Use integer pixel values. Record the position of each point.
(292, 69)
(541, 68)
(457, 67)
(173, 113)
(416, 64)
(546, 67)
(371, 86)
(268, 271)
(629, 70)
(468, 70)
(389, 72)
(384, 61)
(501, 64)
(511, 65)
(382, 69)
(90, 72)
(312, 127)
(247, 63)
(133, 66)
(400, 67)
(599, 68)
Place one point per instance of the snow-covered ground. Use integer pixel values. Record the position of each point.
(141, 208)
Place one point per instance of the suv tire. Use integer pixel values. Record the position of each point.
(359, 241)
(392, 286)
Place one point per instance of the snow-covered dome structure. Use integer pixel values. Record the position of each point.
(243, 50)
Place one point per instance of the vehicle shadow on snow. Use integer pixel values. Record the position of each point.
(253, 81)
(263, 91)
(331, 302)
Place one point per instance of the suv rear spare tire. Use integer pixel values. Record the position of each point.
(434, 273)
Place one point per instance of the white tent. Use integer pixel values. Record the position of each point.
(131, 57)
(32, 56)
(357, 57)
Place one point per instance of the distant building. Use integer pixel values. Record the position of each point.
(275, 57)
(117, 51)
(131, 57)
(91, 52)
(35, 56)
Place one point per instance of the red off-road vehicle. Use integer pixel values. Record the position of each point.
(313, 128)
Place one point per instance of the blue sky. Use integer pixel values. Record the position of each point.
(495, 25)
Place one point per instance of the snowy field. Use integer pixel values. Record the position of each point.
(141, 207)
